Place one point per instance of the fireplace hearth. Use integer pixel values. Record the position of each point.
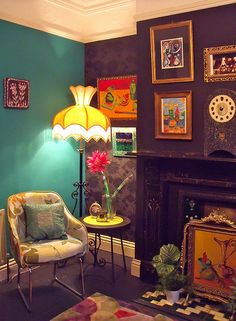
(172, 189)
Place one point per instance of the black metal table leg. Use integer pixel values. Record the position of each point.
(123, 252)
(112, 260)
(94, 246)
(110, 230)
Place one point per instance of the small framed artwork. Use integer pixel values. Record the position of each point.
(117, 97)
(173, 115)
(220, 63)
(209, 251)
(16, 93)
(172, 52)
(123, 140)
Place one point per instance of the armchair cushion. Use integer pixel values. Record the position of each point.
(44, 248)
(51, 250)
(45, 221)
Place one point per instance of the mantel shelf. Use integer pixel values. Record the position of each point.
(186, 156)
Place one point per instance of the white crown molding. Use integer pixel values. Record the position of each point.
(109, 34)
(45, 27)
(110, 6)
(93, 7)
(70, 34)
(74, 19)
(94, 20)
(181, 8)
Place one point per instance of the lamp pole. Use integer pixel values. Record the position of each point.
(79, 185)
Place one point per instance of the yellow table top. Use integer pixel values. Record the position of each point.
(92, 220)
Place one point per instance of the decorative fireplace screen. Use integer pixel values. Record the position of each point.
(209, 253)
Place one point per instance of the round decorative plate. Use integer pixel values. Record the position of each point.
(222, 108)
(94, 209)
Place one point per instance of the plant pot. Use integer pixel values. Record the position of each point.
(172, 296)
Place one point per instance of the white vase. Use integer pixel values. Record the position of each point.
(172, 296)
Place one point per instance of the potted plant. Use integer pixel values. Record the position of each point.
(170, 276)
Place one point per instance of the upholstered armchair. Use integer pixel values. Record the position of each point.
(29, 249)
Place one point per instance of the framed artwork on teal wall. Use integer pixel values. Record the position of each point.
(123, 141)
(16, 93)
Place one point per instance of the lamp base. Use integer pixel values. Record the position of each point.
(77, 194)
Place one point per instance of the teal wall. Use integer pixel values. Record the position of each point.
(30, 159)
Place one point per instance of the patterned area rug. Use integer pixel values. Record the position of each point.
(99, 307)
(195, 310)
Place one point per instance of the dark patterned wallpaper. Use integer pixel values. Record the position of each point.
(220, 19)
(115, 57)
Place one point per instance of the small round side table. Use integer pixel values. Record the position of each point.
(111, 228)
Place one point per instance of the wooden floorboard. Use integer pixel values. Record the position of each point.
(51, 299)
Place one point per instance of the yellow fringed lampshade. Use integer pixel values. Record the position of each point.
(81, 121)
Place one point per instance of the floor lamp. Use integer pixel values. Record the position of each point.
(83, 123)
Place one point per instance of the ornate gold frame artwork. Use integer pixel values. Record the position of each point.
(220, 63)
(172, 52)
(209, 248)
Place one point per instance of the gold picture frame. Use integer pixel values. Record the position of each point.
(209, 255)
(220, 63)
(172, 52)
(173, 115)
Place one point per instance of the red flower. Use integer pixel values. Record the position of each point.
(98, 162)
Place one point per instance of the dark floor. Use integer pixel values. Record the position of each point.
(51, 299)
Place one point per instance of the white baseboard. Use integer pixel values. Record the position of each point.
(135, 268)
(3, 270)
(129, 250)
(129, 247)
(13, 271)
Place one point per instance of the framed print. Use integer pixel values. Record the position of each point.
(172, 52)
(117, 97)
(16, 93)
(173, 115)
(210, 253)
(220, 63)
(123, 140)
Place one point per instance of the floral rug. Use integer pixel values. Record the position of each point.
(99, 307)
(196, 308)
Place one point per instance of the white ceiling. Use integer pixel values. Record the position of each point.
(92, 20)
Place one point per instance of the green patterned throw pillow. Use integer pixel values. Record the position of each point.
(45, 221)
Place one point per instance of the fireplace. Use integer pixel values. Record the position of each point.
(171, 190)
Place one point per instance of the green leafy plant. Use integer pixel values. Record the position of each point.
(167, 265)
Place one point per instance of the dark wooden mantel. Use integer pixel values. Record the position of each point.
(185, 156)
(166, 182)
